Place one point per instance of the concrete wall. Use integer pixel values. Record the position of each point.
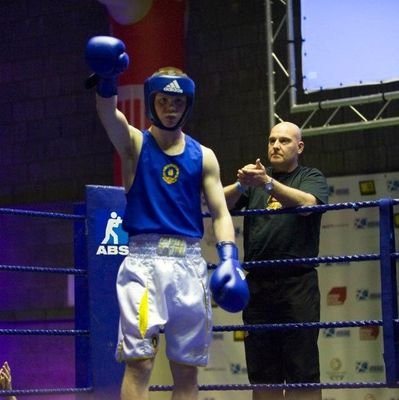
(51, 141)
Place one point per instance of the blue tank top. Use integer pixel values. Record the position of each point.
(165, 197)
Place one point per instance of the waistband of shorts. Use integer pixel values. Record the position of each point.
(150, 244)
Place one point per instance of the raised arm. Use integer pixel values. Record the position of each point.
(123, 136)
(106, 56)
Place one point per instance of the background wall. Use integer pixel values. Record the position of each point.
(51, 138)
(227, 58)
(226, 45)
(51, 146)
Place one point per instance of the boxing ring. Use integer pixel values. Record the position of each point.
(100, 244)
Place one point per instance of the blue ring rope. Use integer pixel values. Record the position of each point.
(18, 392)
(305, 209)
(216, 328)
(42, 214)
(298, 386)
(31, 268)
(228, 387)
(45, 332)
(329, 259)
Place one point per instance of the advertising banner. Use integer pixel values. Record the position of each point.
(349, 291)
(156, 40)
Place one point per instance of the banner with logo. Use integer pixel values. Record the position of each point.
(352, 290)
(349, 291)
(107, 245)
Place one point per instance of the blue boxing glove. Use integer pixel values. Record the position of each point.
(227, 284)
(106, 56)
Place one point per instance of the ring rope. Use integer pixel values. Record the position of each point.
(329, 259)
(29, 268)
(246, 265)
(20, 392)
(317, 208)
(46, 332)
(292, 386)
(231, 387)
(216, 328)
(312, 260)
(45, 214)
(293, 325)
(316, 260)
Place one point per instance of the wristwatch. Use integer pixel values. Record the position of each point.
(269, 186)
(241, 188)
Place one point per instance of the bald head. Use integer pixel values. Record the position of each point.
(290, 128)
(285, 146)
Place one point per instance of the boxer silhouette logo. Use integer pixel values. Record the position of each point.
(110, 235)
(114, 239)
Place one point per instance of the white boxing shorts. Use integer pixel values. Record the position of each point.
(162, 285)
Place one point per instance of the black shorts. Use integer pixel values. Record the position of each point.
(283, 356)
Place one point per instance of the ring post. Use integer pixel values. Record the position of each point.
(107, 245)
(389, 301)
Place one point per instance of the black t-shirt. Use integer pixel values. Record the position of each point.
(281, 236)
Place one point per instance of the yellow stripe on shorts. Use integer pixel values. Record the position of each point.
(143, 313)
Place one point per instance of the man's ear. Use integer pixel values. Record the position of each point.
(301, 147)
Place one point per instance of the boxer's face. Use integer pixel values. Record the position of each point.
(169, 109)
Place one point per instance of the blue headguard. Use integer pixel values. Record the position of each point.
(173, 82)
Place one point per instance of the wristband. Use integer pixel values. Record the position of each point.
(107, 87)
(226, 250)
